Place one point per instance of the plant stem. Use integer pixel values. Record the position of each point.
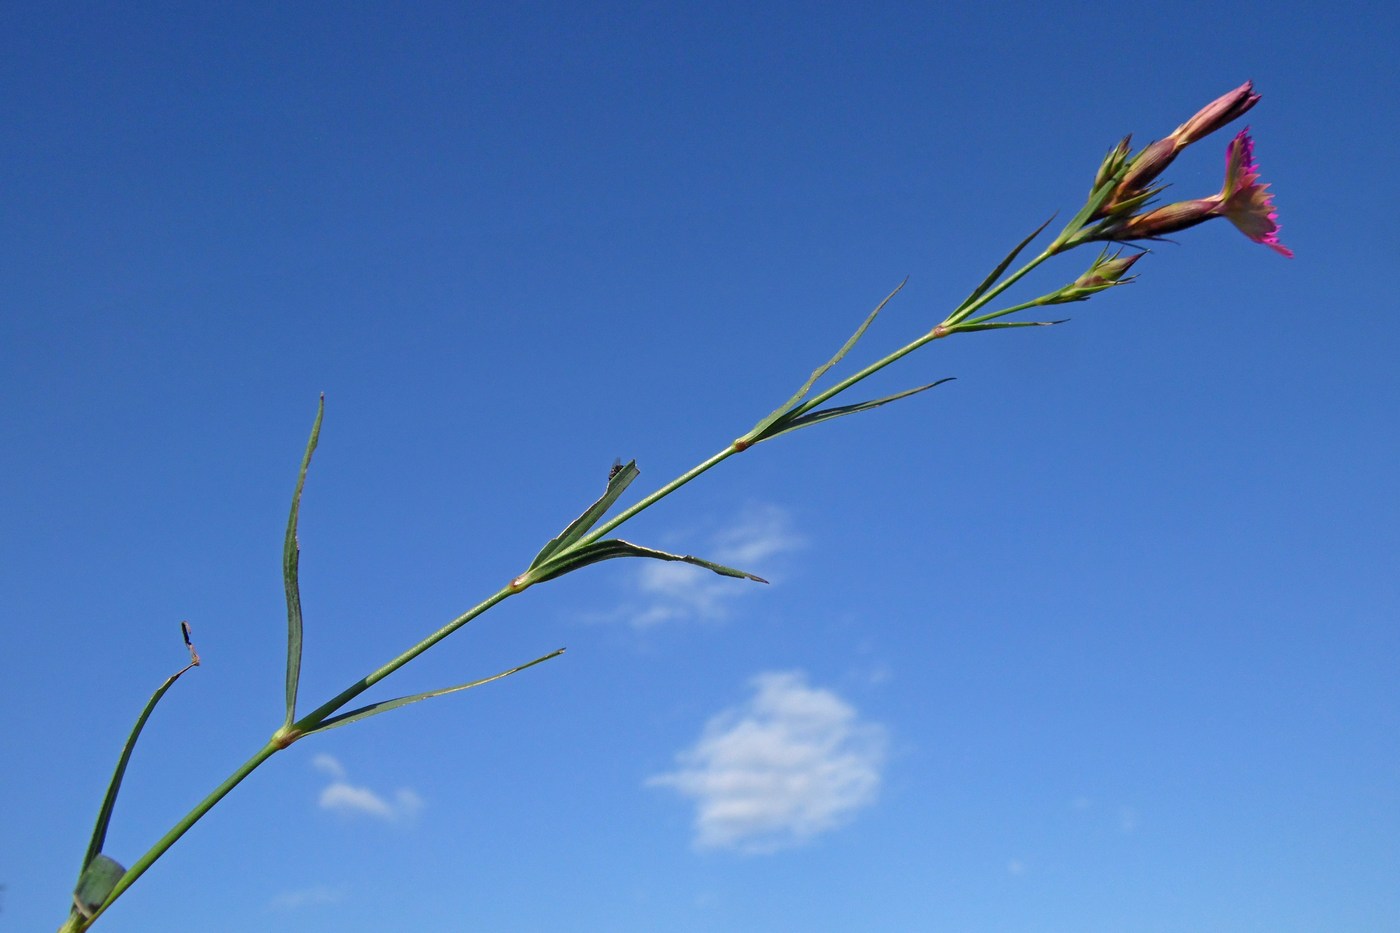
(179, 829)
(288, 734)
(961, 314)
(658, 495)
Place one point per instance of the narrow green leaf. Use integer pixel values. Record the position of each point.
(826, 414)
(96, 882)
(291, 557)
(375, 709)
(617, 483)
(616, 547)
(109, 802)
(1097, 199)
(991, 280)
(969, 328)
(801, 393)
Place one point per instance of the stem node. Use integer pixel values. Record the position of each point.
(285, 736)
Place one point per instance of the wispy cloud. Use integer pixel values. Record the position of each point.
(668, 592)
(316, 896)
(342, 796)
(792, 762)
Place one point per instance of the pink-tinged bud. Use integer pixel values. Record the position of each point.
(1106, 272)
(1168, 218)
(1224, 109)
(1149, 163)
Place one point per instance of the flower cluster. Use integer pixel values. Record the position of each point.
(1125, 185)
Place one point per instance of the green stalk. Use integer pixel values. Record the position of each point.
(657, 496)
(179, 829)
(962, 313)
(288, 734)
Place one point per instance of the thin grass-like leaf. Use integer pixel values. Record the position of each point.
(826, 414)
(968, 328)
(291, 557)
(801, 393)
(617, 483)
(991, 280)
(615, 547)
(375, 709)
(109, 802)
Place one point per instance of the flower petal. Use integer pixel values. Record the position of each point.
(1247, 202)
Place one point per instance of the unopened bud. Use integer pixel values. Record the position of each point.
(1153, 160)
(1106, 272)
(1149, 163)
(1224, 109)
(1168, 219)
(1113, 162)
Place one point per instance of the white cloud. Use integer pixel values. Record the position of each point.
(792, 762)
(761, 532)
(307, 897)
(342, 796)
(674, 591)
(329, 764)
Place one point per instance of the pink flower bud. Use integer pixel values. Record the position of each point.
(1224, 109)
(1168, 218)
(1107, 270)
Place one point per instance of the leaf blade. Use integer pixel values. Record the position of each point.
(826, 414)
(291, 559)
(375, 709)
(817, 373)
(617, 484)
(990, 280)
(109, 800)
(613, 548)
(969, 328)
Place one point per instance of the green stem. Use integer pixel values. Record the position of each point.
(962, 314)
(657, 496)
(308, 723)
(281, 739)
(942, 330)
(179, 829)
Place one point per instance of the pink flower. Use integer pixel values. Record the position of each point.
(1244, 201)
(1247, 203)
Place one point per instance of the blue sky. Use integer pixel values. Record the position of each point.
(1100, 636)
